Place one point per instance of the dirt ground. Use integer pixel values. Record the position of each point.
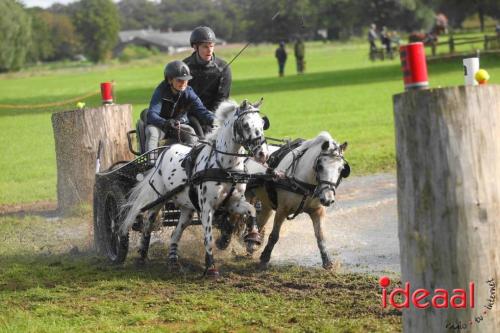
(360, 230)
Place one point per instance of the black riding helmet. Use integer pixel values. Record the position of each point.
(177, 70)
(202, 35)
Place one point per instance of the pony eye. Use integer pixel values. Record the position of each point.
(319, 167)
(246, 126)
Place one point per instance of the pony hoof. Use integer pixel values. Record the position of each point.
(331, 265)
(328, 266)
(174, 265)
(212, 273)
(222, 242)
(253, 237)
(263, 265)
(140, 262)
(251, 247)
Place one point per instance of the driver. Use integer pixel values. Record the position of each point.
(172, 101)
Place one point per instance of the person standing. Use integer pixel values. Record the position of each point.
(211, 75)
(281, 55)
(372, 37)
(385, 39)
(299, 50)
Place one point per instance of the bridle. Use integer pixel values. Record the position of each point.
(325, 184)
(305, 189)
(249, 144)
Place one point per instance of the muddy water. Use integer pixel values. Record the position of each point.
(361, 229)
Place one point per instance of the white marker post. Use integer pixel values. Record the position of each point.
(471, 66)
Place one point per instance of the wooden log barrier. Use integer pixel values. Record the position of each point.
(77, 134)
(448, 165)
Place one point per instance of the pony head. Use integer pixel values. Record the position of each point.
(248, 129)
(330, 167)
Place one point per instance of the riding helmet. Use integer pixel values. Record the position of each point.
(177, 70)
(202, 34)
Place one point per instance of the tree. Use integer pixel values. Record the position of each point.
(54, 36)
(15, 35)
(275, 20)
(139, 14)
(42, 47)
(98, 23)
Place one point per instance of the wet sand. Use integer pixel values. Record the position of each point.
(360, 230)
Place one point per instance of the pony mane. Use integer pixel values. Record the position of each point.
(223, 111)
(322, 136)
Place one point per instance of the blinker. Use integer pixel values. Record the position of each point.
(346, 171)
(267, 123)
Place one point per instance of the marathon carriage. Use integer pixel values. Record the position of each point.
(113, 186)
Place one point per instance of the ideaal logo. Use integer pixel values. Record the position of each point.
(460, 299)
(439, 298)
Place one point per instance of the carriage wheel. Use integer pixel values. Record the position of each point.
(99, 244)
(115, 246)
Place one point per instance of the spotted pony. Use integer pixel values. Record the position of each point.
(238, 128)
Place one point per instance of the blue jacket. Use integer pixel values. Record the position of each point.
(167, 105)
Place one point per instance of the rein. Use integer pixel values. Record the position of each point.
(219, 174)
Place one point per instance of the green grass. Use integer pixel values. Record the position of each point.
(47, 285)
(342, 92)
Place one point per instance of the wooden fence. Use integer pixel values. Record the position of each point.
(489, 42)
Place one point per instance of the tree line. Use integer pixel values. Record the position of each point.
(90, 27)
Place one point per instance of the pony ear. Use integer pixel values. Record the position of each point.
(325, 145)
(267, 123)
(244, 104)
(343, 147)
(259, 103)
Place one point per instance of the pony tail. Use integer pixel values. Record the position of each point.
(140, 196)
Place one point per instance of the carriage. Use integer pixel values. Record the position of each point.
(113, 185)
(111, 188)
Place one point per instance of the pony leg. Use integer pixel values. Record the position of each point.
(184, 221)
(243, 207)
(273, 237)
(262, 219)
(317, 217)
(206, 220)
(146, 237)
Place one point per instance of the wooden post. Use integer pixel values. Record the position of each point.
(448, 164)
(451, 43)
(77, 134)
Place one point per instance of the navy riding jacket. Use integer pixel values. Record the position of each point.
(167, 105)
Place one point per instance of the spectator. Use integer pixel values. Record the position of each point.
(281, 55)
(385, 39)
(372, 37)
(299, 50)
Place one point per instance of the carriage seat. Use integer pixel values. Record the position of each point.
(141, 130)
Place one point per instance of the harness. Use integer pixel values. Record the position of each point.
(219, 174)
(294, 185)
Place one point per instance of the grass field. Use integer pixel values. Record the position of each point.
(47, 284)
(51, 282)
(342, 92)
